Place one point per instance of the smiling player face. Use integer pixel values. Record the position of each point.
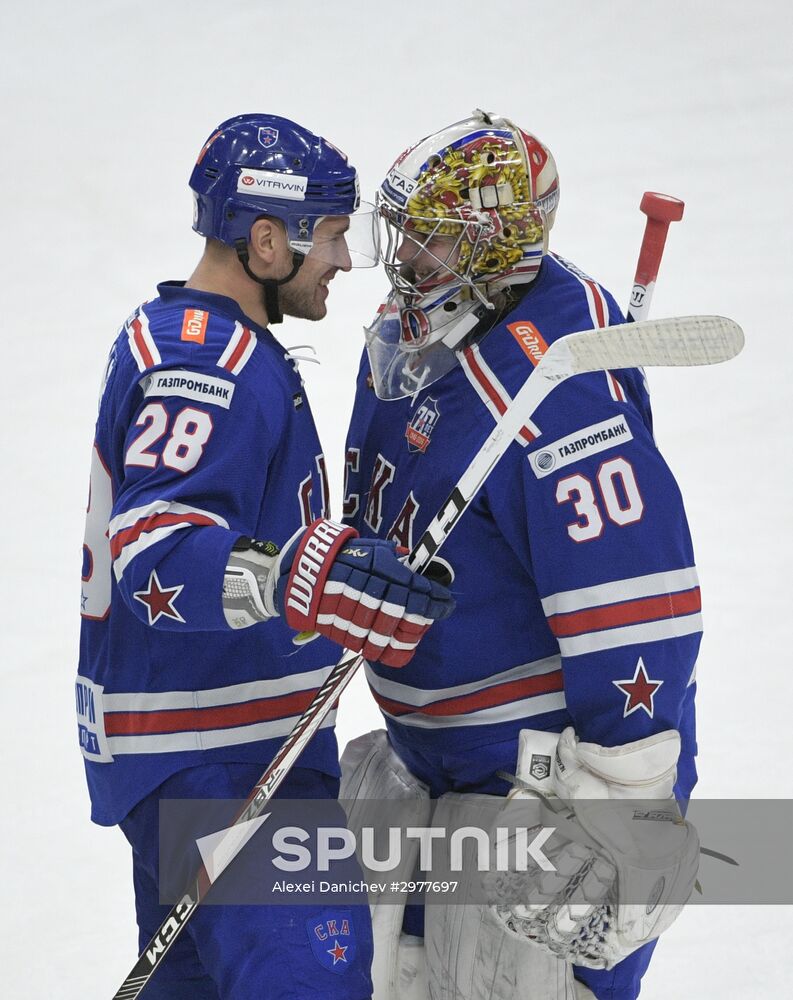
(305, 296)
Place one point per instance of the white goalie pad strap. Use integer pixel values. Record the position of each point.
(469, 954)
(370, 773)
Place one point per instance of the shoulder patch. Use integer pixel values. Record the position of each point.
(587, 441)
(531, 341)
(191, 385)
(194, 325)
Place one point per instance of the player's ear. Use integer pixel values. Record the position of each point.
(266, 239)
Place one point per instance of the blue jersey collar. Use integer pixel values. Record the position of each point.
(171, 292)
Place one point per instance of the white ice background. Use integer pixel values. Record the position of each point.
(104, 107)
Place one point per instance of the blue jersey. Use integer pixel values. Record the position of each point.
(203, 436)
(577, 596)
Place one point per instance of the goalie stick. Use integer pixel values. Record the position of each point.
(689, 340)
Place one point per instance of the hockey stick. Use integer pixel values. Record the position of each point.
(691, 340)
(661, 210)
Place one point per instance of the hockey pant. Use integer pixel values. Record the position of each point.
(244, 952)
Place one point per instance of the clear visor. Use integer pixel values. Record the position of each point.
(409, 348)
(342, 241)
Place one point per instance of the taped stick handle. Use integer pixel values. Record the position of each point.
(661, 210)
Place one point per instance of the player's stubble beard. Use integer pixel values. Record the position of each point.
(301, 297)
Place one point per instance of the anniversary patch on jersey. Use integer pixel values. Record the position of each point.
(191, 385)
(332, 937)
(588, 441)
(420, 428)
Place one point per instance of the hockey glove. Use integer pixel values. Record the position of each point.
(356, 591)
(621, 861)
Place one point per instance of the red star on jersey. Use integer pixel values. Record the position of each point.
(338, 951)
(159, 601)
(639, 691)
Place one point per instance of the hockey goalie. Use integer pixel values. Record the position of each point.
(566, 677)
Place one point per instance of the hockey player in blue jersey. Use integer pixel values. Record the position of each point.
(578, 607)
(208, 555)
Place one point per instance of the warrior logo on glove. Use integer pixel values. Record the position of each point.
(361, 596)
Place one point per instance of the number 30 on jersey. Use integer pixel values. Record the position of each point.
(617, 492)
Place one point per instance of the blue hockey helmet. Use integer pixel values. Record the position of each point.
(256, 164)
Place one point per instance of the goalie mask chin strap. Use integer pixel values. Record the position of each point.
(269, 285)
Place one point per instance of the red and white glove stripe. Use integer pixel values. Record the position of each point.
(350, 601)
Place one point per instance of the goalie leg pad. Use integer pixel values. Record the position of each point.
(370, 773)
(469, 954)
(411, 970)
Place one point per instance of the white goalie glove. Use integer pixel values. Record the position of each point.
(621, 861)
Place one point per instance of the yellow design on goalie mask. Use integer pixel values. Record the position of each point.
(480, 194)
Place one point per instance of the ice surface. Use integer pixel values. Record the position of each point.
(105, 105)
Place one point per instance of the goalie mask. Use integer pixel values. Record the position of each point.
(467, 213)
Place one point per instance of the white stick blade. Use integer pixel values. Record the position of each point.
(677, 341)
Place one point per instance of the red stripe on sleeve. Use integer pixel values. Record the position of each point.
(132, 534)
(617, 388)
(646, 609)
(597, 296)
(497, 694)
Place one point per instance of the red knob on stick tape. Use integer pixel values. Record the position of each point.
(661, 210)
